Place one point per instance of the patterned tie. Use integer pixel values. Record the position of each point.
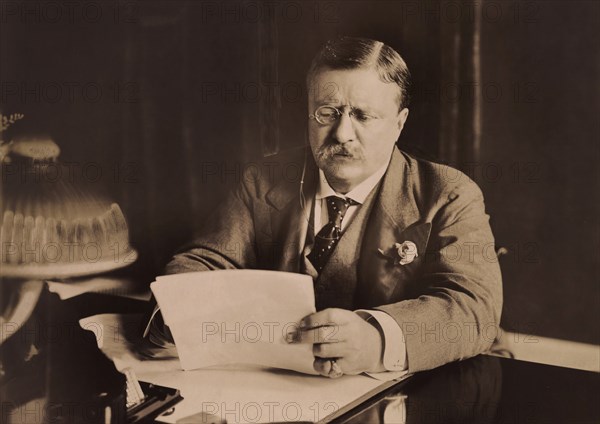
(329, 235)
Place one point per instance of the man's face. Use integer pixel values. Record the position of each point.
(361, 140)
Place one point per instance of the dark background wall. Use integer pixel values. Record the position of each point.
(167, 100)
(543, 135)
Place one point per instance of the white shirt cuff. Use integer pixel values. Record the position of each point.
(394, 345)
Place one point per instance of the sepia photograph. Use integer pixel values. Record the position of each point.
(309, 211)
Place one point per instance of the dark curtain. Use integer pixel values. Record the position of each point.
(460, 108)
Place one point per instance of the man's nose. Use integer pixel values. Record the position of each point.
(344, 130)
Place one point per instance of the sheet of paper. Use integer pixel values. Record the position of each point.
(220, 318)
(255, 395)
(122, 287)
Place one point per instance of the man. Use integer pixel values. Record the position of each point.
(400, 249)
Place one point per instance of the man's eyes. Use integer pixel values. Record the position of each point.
(331, 113)
(362, 116)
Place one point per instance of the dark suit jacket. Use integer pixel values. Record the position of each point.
(447, 301)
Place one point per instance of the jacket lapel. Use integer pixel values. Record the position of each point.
(288, 218)
(395, 218)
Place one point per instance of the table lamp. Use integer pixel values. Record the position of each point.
(51, 228)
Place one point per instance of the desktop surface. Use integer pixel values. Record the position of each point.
(484, 389)
(487, 389)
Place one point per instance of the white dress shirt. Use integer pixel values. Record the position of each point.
(394, 347)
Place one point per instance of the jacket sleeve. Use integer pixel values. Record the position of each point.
(457, 312)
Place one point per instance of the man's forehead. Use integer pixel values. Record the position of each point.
(361, 85)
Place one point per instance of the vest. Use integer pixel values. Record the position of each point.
(335, 286)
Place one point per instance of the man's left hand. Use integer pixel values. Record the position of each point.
(343, 336)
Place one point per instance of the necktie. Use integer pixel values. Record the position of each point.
(330, 234)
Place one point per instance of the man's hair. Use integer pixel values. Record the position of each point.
(354, 53)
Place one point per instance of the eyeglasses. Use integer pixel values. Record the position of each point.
(327, 115)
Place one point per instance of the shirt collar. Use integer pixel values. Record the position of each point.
(358, 193)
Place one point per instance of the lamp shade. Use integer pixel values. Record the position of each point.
(51, 226)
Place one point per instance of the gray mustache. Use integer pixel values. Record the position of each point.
(328, 151)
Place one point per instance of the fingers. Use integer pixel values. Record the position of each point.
(326, 317)
(324, 334)
(321, 327)
(329, 350)
(324, 367)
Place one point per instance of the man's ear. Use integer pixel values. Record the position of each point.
(402, 117)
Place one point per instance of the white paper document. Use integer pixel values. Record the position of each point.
(220, 318)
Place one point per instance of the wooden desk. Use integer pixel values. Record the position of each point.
(484, 389)
(488, 389)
